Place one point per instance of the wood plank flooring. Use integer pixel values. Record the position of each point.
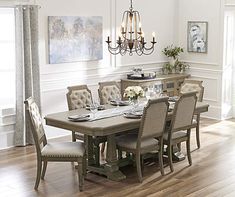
(212, 173)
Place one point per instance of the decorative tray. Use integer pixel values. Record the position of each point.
(141, 76)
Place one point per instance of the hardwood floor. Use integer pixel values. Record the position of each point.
(212, 173)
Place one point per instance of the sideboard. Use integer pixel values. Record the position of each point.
(170, 83)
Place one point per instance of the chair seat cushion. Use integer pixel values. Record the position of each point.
(64, 149)
(175, 135)
(130, 141)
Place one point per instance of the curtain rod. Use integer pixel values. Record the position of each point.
(15, 6)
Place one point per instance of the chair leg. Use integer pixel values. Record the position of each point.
(138, 167)
(160, 158)
(39, 171)
(169, 151)
(197, 132)
(103, 147)
(73, 137)
(80, 174)
(179, 146)
(188, 148)
(84, 164)
(44, 170)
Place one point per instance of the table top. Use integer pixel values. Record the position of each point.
(102, 127)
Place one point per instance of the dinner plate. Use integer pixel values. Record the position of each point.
(133, 115)
(79, 118)
(120, 103)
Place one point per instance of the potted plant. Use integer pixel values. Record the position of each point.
(173, 53)
(167, 68)
(181, 67)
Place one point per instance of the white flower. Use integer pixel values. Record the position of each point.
(133, 92)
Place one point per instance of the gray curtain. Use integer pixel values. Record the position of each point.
(27, 68)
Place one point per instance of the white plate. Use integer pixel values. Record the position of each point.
(132, 115)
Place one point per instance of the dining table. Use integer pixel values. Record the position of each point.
(106, 123)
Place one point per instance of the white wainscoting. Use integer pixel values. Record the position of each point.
(212, 79)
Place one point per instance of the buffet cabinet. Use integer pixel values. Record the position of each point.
(170, 83)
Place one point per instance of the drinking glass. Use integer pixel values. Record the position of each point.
(94, 109)
(158, 90)
(147, 94)
(118, 100)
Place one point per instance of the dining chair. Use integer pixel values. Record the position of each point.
(78, 97)
(189, 86)
(53, 152)
(181, 124)
(108, 91)
(150, 135)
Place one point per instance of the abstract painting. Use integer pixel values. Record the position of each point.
(75, 38)
(197, 36)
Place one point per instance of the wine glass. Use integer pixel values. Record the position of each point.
(118, 100)
(158, 90)
(94, 109)
(147, 93)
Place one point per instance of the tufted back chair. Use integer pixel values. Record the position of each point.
(191, 86)
(36, 124)
(108, 91)
(78, 97)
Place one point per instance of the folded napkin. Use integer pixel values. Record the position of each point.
(76, 117)
(123, 103)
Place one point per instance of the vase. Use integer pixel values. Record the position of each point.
(172, 61)
(135, 103)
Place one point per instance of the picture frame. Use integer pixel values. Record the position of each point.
(197, 36)
(75, 39)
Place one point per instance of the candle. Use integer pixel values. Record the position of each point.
(108, 38)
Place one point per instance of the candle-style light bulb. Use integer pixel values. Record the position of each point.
(153, 34)
(123, 25)
(140, 25)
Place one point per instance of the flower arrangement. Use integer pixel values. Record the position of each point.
(171, 51)
(133, 92)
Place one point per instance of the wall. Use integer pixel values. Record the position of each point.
(156, 16)
(207, 67)
(167, 18)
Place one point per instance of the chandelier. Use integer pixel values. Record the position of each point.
(131, 37)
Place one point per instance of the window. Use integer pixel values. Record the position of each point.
(7, 56)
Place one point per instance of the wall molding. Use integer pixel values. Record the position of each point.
(101, 67)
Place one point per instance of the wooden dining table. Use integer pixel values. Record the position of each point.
(107, 127)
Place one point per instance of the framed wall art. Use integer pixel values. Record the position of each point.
(75, 38)
(197, 36)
